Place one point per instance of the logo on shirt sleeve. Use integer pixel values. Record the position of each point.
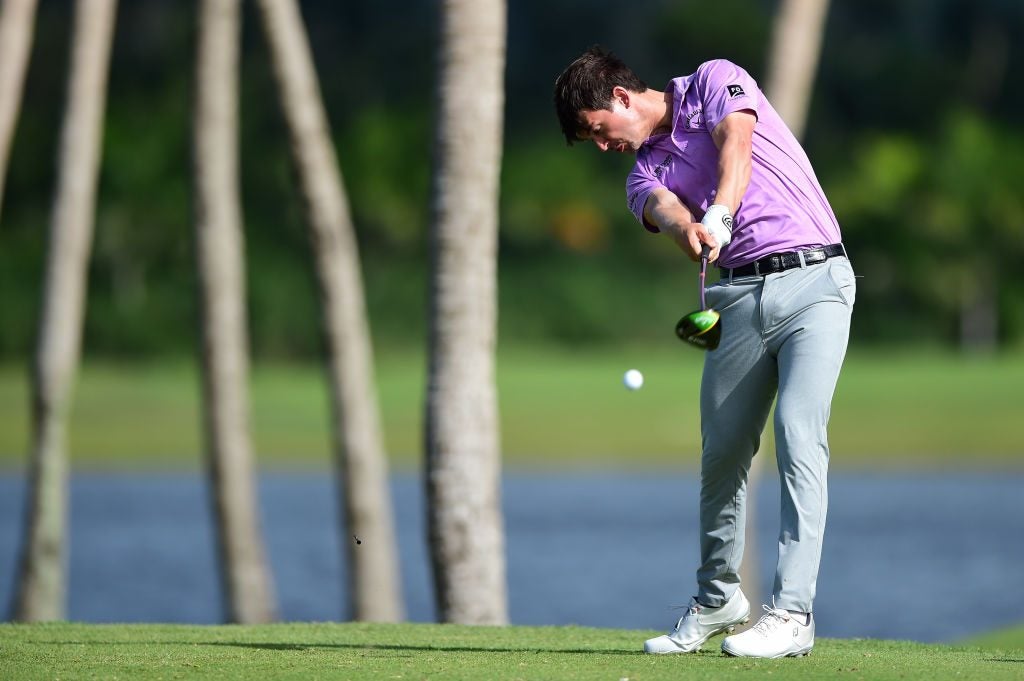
(735, 91)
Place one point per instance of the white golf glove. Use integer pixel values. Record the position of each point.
(718, 221)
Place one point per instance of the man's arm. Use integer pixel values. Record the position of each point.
(664, 210)
(733, 137)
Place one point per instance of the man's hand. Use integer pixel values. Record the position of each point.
(691, 237)
(718, 222)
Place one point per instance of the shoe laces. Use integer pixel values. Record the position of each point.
(693, 608)
(771, 619)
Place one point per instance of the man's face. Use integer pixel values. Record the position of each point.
(619, 129)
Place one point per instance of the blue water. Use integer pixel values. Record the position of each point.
(921, 557)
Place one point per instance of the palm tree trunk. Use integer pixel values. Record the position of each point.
(246, 576)
(793, 59)
(16, 19)
(41, 585)
(463, 461)
(979, 312)
(361, 463)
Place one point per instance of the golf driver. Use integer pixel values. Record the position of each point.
(701, 328)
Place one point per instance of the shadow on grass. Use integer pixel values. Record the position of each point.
(351, 646)
(421, 648)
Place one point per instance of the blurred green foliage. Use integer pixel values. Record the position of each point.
(914, 132)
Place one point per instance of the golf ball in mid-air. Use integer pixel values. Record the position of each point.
(633, 379)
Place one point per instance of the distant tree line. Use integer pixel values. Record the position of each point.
(913, 128)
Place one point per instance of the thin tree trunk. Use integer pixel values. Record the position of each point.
(979, 313)
(361, 463)
(463, 461)
(42, 580)
(793, 59)
(246, 578)
(16, 20)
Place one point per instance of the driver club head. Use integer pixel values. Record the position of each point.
(701, 329)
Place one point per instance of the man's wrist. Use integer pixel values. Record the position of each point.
(718, 221)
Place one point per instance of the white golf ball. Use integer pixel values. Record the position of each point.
(633, 379)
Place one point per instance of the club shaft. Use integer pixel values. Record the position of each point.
(704, 253)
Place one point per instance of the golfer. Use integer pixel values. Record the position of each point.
(716, 165)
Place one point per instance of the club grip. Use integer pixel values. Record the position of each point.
(705, 250)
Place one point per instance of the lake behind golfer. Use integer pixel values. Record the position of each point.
(580, 549)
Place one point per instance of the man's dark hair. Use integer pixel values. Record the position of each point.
(586, 85)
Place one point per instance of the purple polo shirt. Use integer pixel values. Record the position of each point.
(783, 209)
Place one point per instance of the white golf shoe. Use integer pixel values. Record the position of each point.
(700, 623)
(776, 634)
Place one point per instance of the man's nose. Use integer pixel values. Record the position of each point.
(601, 144)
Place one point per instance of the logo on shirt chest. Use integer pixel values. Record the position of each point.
(695, 119)
(659, 170)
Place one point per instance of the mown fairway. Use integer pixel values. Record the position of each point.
(558, 408)
(427, 651)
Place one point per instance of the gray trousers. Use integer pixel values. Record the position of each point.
(784, 334)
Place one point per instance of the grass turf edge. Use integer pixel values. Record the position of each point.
(419, 650)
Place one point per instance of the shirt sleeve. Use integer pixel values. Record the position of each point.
(639, 185)
(725, 88)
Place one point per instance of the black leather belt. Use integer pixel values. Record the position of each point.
(780, 262)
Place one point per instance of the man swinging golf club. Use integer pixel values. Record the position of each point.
(716, 168)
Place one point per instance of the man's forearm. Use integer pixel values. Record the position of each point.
(664, 210)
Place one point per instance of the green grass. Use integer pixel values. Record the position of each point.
(432, 651)
(558, 408)
(1012, 637)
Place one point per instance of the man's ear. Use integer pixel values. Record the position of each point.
(621, 95)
